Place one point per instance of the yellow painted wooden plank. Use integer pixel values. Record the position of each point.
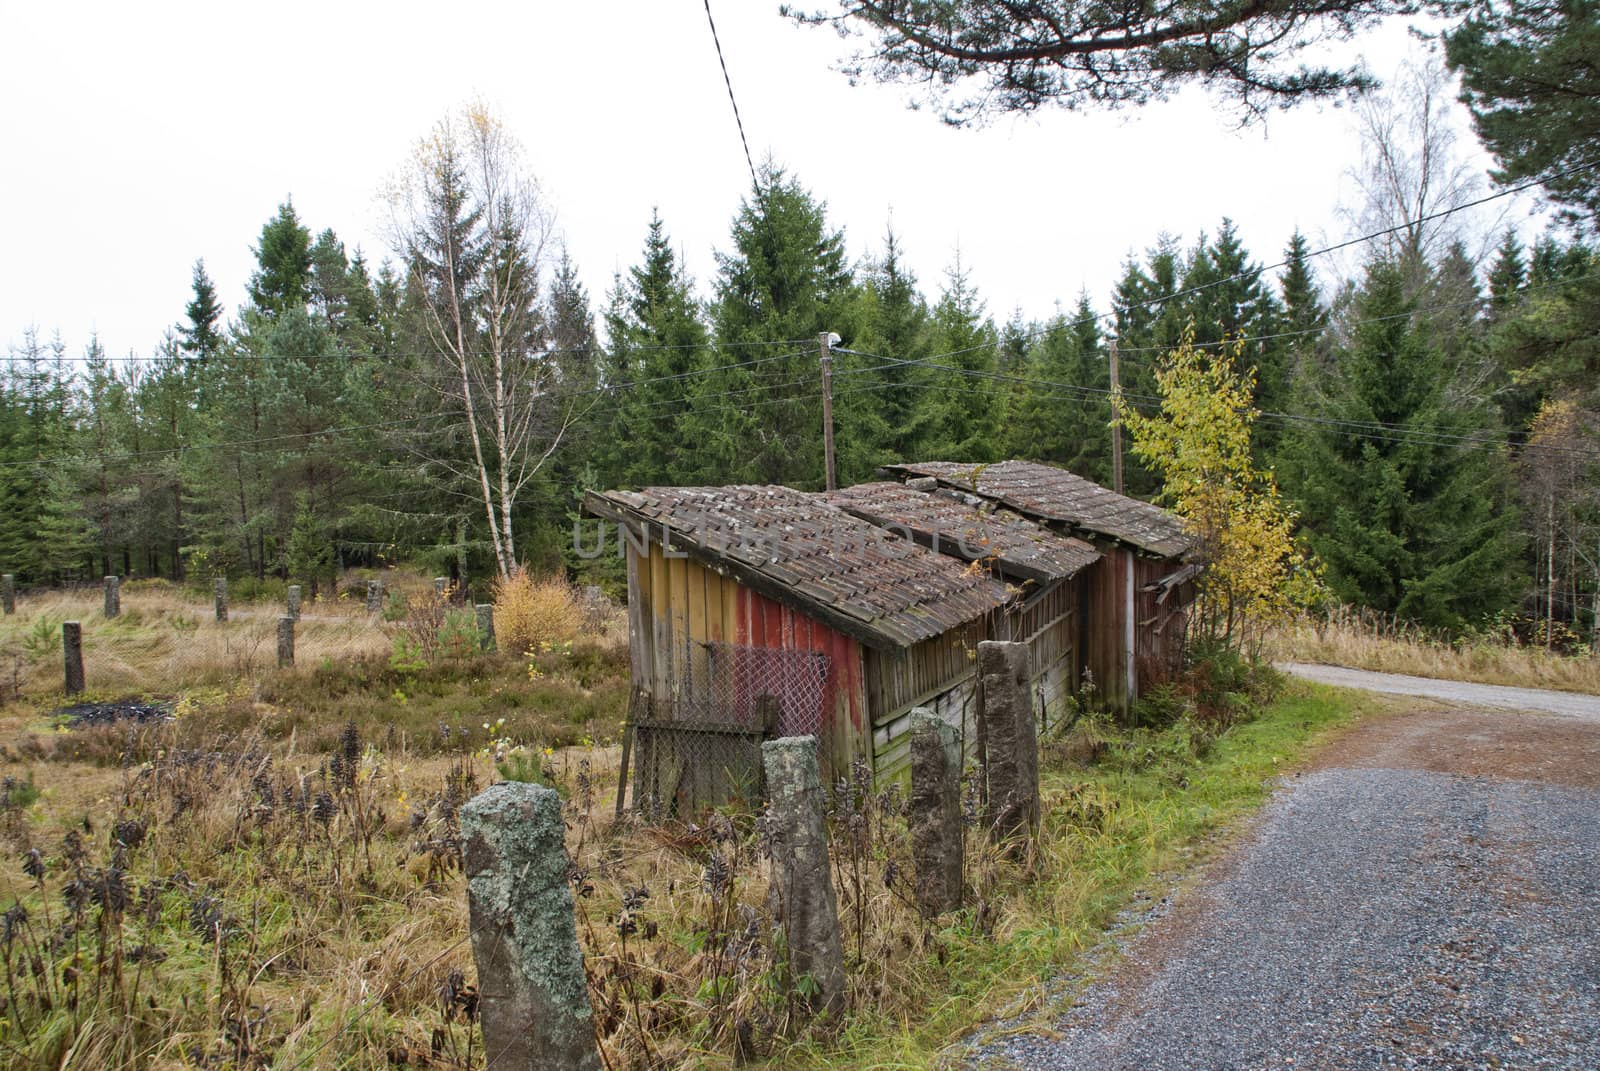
(661, 623)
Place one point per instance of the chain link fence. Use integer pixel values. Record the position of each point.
(701, 747)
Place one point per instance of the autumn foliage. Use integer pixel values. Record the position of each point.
(1199, 443)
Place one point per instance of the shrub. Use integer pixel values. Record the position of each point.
(459, 636)
(533, 610)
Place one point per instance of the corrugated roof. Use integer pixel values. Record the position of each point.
(1016, 546)
(871, 584)
(1053, 494)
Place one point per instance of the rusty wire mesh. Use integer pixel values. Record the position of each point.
(701, 746)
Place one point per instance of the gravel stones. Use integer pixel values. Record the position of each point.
(1374, 918)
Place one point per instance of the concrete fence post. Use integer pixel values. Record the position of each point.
(485, 612)
(291, 601)
(8, 594)
(1011, 762)
(285, 641)
(534, 996)
(374, 596)
(113, 596)
(802, 882)
(937, 840)
(72, 655)
(219, 592)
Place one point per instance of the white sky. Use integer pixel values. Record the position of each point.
(143, 136)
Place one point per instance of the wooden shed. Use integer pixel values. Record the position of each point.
(1136, 595)
(757, 611)
(1045, 572)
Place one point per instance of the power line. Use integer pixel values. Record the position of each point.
(1252, 273)
(749, 161)
(51, 359)
(1420, 310)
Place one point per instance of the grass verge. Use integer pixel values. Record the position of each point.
(1146, 812)
(1386, 646)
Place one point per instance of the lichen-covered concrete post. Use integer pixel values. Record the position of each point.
(285, 641)
(219, 593)
(1010, 740)
(113, 596)
(374, 596)
(802, 882)
(935, 816)
(291, 601)
(534, 994)
(72, 655)
(485, 613)
(8, 594)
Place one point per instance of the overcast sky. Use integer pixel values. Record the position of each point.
(140, 137)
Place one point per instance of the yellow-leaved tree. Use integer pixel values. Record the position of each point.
(1255, 574)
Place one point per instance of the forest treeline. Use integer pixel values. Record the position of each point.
(1431, 418)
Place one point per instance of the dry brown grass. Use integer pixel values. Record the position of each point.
(1368, 641)
(167, 639)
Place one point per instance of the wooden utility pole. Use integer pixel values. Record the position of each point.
(825, 341)
(1116, 422)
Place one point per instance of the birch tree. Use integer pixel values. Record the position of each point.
(474, 233)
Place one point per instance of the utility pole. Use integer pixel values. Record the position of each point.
(825, 341)
(1116, 422)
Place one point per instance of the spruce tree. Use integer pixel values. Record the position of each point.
(282, 279)
(965, 404)
(1508, 274)
(1409, 513)
(201, 334)
(1063, 411)
(897, 329)
(783, 282)
(658, 348)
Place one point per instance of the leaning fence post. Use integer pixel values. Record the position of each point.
(935, 816)
(291, 601)
(1011, 761)
(8, 594)
(374, 596)
(285, 641)
(219, 592)
(534, 1000)
(802, 883)
(72, 655)
(485, 613)
(113, 596)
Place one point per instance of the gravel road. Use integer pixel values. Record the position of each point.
(1427, 895)
(1572, 704)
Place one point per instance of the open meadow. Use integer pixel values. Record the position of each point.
(271, 876)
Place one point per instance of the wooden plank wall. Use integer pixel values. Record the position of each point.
(937, 673)
(1050, 629)
(677, 606)
(1159, 629)
(1105, 622)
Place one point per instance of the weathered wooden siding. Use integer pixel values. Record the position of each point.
(1050, 627)
(1159, 628)
(891, 739)
(680, 606)
(1105, 624)
(936, 673)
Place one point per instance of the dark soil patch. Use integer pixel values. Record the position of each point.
(138, 711)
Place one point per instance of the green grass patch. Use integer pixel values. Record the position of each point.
(1144, 813)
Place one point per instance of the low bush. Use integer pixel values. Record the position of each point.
(533, 613)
